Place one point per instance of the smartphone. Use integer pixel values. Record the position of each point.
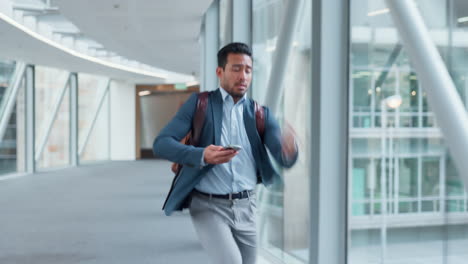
(234, 147)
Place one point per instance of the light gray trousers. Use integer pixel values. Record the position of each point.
(226, 228)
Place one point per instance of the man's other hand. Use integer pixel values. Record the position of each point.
(288, 141)
(218, 155)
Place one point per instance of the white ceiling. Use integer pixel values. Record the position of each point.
(160, 33)
(152, 37)
(17, 45)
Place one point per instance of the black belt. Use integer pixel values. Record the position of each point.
(229, 196)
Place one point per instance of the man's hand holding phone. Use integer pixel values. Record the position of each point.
(218, 155)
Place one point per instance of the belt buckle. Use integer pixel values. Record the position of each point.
(230, 196)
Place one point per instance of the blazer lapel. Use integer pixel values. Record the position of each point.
(251, 128)
(217, 106)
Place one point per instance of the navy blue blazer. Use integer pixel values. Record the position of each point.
(167, 145)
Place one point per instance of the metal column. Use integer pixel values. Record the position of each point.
(210, 45)
(30, 120)
(74, 119)
(329, 131)
(242, 21)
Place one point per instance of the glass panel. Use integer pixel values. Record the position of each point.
(362, 93)
(7, 69)
(454, 185)
(425, 220)
(266, 20)
(457, 59)
(284, 215)
(12, 145)
(430, 177)
(408, 185)
(366, 146)
(93, 141)
(225, 22)
(49, 86)
(363, 189)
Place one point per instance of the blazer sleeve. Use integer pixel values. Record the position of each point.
(167, 144)
(272, 140)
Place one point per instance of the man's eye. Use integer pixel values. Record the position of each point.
(235, 68)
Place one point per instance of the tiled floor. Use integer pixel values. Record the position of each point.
(106, 214)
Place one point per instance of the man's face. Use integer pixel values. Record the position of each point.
(236, 76)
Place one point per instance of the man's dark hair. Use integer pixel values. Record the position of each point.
(235, 47)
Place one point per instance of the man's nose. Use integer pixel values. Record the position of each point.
(242, 76)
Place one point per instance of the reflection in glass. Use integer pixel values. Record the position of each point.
(425, 220)
(12, 145)
(284, 209)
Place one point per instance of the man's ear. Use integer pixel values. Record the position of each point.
(219, 71)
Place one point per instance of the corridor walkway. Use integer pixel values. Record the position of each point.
(108, 214)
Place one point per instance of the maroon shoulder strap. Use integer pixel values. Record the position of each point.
(260, 119)
(199, 117)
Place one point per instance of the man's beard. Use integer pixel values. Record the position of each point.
(236, 95)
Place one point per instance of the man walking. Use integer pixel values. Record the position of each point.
(217, 183)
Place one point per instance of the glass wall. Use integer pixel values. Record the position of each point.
(283, 214)
(93, 118)
(225, 22)
(12, 141)
(407, 203)
(52, 117)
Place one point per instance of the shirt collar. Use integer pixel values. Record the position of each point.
(225, 95)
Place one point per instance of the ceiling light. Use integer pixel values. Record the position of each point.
(143, 93)
(462, 19)
(193, 83)
(393, 101)
(76, 53)
(378, 12)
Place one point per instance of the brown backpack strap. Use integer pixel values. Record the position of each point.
(199, 118)
(260, 119)
(193, 137)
